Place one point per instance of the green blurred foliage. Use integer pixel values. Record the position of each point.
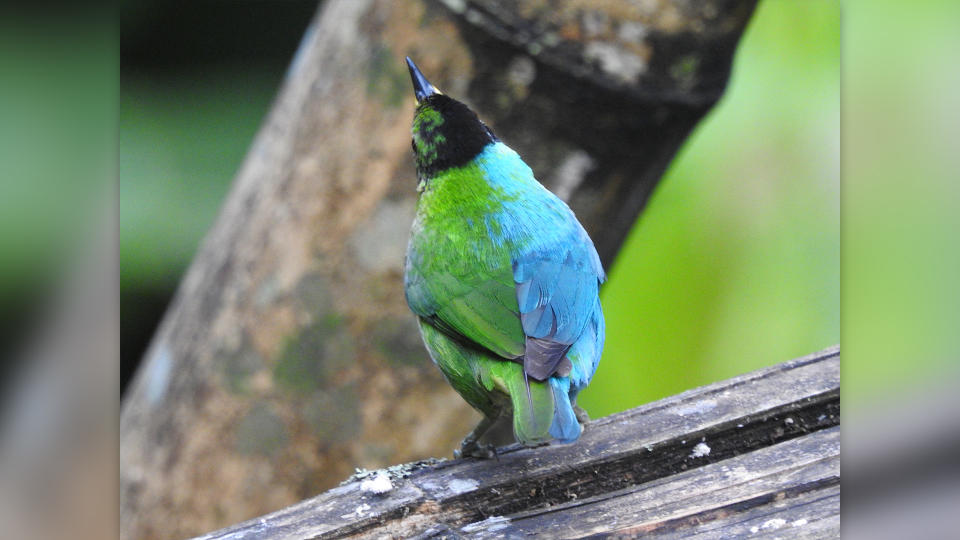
(901, 200)
(735, 263)
(182, 139)
(56, 93)
(57, 140)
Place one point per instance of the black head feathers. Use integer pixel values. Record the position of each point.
(446, 133)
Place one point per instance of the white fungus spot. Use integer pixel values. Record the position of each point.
(492, 523)
(457, 6)
(799, 523)
(754, 529)
(632, 32)
(358, 511)
(788, 420)
(595, 23)
(699, 407)
(458, 486)
(378, 485)
(700, 450)
(522, 71)
(616, 61)
(773, 524)
(474, 17)
(430, 485)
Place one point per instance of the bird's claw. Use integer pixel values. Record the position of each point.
(476, 450)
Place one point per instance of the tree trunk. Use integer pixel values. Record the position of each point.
(288, 356)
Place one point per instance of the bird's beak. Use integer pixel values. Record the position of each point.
(421, 86)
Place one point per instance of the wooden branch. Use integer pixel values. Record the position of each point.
(759, 452)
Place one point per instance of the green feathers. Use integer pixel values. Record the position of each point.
(484, 381)
(533, 407)
(455, 274)
(425, 146)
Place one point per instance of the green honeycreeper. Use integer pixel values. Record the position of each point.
(502, 277)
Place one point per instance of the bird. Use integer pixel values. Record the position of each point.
(502, 277)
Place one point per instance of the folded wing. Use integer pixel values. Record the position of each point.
(556, 295)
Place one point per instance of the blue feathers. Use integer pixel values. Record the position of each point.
(557, 273)
(555, 292)
(565, 427)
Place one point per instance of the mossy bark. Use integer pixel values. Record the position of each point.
(288, 356)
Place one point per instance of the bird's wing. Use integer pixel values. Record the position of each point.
(477, 308)
(557, 288)
(530, 297)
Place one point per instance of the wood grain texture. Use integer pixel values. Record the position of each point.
(755, 454)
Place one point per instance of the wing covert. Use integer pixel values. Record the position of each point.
(479, 307)
(556, 294)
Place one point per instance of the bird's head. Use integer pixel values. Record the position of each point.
(446, 133)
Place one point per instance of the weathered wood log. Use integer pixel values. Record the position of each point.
(288, 356)
(756, 453)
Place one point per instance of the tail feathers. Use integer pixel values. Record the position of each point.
(532, 406)
(541, 410)
(565, 427)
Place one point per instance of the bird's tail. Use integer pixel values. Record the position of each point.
(565, 428)
(541, 410)
(533, 406)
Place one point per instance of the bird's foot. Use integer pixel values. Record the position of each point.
(475, 449)
(536, 445)
(581, 414)
(471, 447)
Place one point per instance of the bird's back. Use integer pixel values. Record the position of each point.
(497, 263)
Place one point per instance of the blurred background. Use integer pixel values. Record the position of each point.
(196, 80)
(734, 265)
